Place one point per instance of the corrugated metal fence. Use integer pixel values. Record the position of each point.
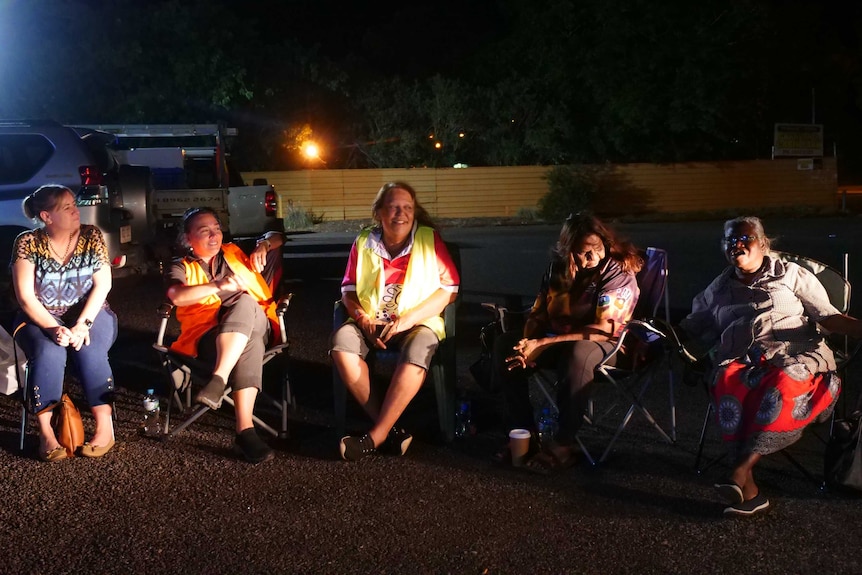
(625, 188)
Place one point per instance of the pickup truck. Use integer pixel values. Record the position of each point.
(191, 168)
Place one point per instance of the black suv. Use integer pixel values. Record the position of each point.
(110, 195)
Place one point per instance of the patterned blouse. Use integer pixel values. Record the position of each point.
(611, 294)
(59, 287)
(774, 318)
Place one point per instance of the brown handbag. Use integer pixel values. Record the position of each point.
(68, 425)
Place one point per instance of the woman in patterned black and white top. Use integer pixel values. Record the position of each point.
(61, 275)
(774, 372)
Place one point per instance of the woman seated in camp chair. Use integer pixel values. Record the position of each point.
(774, 372)
(62, 277)
(227, 316)
(587, 295)
(398, 280)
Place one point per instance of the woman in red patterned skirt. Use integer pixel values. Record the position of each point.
(774, 372)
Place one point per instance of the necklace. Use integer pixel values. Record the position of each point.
(61, 259)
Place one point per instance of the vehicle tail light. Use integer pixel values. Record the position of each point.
(92, 196)
(270, 203)
(90, 176)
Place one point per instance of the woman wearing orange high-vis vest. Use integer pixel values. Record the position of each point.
(227, 315)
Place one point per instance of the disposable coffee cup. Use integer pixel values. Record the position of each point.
(519, 445)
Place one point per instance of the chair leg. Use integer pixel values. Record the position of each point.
(697, 463)
(339, 403)
(444, 388)
(636, 405)
(25, 418)
(287, 403)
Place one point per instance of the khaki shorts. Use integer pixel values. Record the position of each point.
(417, 346)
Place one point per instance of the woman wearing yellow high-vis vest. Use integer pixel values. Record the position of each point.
(227, 315)
(399, 278)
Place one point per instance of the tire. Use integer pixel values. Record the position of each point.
(136, 191)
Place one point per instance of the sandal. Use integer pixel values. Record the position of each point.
(552, 460)
(504, 456)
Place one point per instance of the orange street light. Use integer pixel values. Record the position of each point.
(311, 150)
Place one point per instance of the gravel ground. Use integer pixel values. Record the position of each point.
(188, 505)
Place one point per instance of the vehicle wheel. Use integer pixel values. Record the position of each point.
(136, 190)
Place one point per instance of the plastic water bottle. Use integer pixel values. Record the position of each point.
(546, 426)
(463, 422)
(152, 414)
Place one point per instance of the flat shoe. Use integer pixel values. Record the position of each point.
(56, 454)
(549, 462)
(89, 450)
(757, 504)
(249, 444)
(212, 393)
(730, 492)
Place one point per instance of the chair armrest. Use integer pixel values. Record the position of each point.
(668, 331)
(280, 310)
(339, 314)
(283, 304)
(164, 313)
(649, 333)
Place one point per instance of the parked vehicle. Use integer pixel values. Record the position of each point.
(191, 168)
(110, 194)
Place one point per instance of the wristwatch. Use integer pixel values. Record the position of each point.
(88, 323)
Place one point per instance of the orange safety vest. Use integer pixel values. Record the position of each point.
(198, 318)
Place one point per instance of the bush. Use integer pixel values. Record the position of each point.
(298, 218)
(570, 189)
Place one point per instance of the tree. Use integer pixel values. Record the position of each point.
(125, 61)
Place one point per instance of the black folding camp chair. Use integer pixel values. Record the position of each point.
(654, 298)
(183, 371)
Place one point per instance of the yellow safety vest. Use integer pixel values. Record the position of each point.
(420, 281)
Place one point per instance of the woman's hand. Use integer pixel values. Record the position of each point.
(525, 354)
(61, 335)
(368, 327)
(258, 256)
(396, 325)
(79, 336)
(230, 283)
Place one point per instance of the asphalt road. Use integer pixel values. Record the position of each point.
(189, 506)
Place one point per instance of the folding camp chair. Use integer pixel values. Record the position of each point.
(21, 368)
(652, 281)
(183, 370)
(663, 351)
(442, 371)
(838, 289)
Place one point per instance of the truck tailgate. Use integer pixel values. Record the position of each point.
(172, 203)
(247, 208)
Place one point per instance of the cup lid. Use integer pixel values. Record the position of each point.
(520, 434)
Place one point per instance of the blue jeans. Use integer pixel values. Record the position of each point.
(47, 362)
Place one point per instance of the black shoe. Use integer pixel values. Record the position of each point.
(730, 492)
(251, 446)
(397, 442)
(355, 448)
(753, 506)
(211, 394)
